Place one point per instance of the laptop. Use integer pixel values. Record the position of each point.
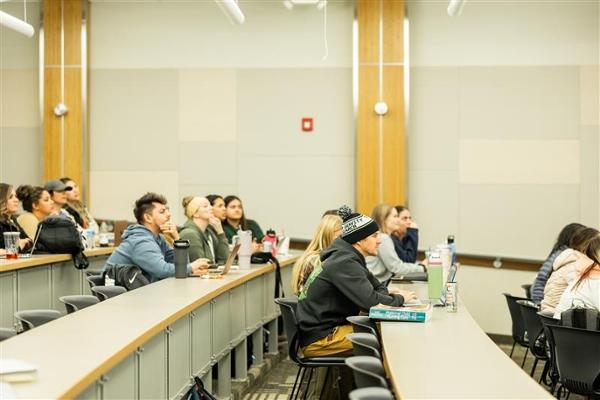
(30, 253)
(218, 272)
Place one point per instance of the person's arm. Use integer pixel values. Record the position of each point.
(537, 289)
(221, 248)
(353, 282)
(391, 261)
(148, 256)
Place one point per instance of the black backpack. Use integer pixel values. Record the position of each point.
(59, 235)
(581, 317)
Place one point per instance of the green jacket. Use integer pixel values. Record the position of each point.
(252, 225)
(199, 247)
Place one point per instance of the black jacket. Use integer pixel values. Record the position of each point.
(10, 226)
(340, 288)
(407, 247)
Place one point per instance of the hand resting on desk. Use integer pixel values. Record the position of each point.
(407, 294)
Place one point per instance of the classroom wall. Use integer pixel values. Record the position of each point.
(503, 123)
(20, 121)
(186, 103)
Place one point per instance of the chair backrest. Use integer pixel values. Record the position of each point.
(95, 280)
(6, 333)
(106, 292)
(31, 318)
(527, 288)
(362, 324)
(367, 371)
(365, 344)
(78, 302)
(533, 327)
(288, 308)
(546, 317)
(518, 326)
(577, 358)
(371, 393)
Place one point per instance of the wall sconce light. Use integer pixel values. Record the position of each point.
(381, 108)
(16, 24)
(60, 110)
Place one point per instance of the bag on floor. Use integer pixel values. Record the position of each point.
(199, 392)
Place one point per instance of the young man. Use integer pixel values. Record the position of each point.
(342, 287)
(144, 255)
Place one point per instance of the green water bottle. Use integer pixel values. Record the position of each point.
(434, 275)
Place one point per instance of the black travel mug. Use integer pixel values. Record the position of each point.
(181, 258)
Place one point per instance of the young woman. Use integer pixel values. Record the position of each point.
(406, 237)
(387, 263)
(76, 208)
(563, 242)
(237, 220)
(328, 230)
(585, 289)
(9, 205)
(204, 231)
(37, 204)
(565, 267)
(218, 206)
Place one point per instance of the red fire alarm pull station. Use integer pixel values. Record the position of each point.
(307, 125)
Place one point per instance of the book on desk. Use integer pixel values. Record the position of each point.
(416, 313)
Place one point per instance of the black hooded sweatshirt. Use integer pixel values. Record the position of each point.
(340, 288)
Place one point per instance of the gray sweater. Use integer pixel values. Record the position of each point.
(387, 263)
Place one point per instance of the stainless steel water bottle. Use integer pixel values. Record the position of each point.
(181, 258)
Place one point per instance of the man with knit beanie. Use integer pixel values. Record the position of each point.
(341, 287)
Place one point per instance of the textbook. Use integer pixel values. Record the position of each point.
(16, 371)
(417, 313)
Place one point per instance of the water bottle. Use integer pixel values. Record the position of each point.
(434, 275)
(451, 297)
(452, 247)
(181, 258)
(270, 237)
(90, 238)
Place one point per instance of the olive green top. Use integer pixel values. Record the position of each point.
(199, 243)
(251, 225)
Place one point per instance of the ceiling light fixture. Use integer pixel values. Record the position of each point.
(232, 10)
(16, 24)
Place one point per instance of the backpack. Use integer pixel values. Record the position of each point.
(59, 235)
(198, 391)
(581, 317)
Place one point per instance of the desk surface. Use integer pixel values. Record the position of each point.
(451, 357)
(44, 259)
(88, 343)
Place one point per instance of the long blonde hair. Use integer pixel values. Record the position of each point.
(323, 238)
(380, 213)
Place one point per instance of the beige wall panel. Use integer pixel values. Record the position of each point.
(368, 13)
(294, 191)
(208, 106)
(433, 128)
(21, 155)
(73, 126)
(53, 153)
(19, 104)
(272, 125)
(503, 162)
(517, 220)
(393, 31)
(519, 102)
(114, 193)
(490, 33)
(480, 289)
(16, 50)
(207, 163)
(134, 120)
(434, 205)
(394, 141)
(367, 141)
(590, 176)
(589, 88)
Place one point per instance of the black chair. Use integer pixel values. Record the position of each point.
(78, 302)
(547, 319)
(6, 333)
(290, 326)
(106, 292)
(527, 288)
(363, 324)
(365, 344)
(519, 334)
(578, 360)
(534, 328)
(367, 371)
(372, 393)
(95, 280)
(31, 318)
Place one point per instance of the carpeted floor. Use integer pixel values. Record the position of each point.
(277, 385)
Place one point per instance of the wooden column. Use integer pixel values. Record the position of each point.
(381, 139)
(64, 152)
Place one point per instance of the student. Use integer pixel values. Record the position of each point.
(9, 205)
(76, 208)
(341, 287)
(386, 262)
(218, 206)
(37, 204)
(144, 248)
(563, 242)
(58, 192)
(584, 291)
(406, 237)
(204, 231)
(328, 230)
(237, 220)
(565, 268)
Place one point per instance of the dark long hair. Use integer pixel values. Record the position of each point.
(30, 195)
(5, 190)
(229, 199)
(213, 197)
(566, 235)
(590, 246)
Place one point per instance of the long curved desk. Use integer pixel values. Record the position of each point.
(449, 356)
(172, 329)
